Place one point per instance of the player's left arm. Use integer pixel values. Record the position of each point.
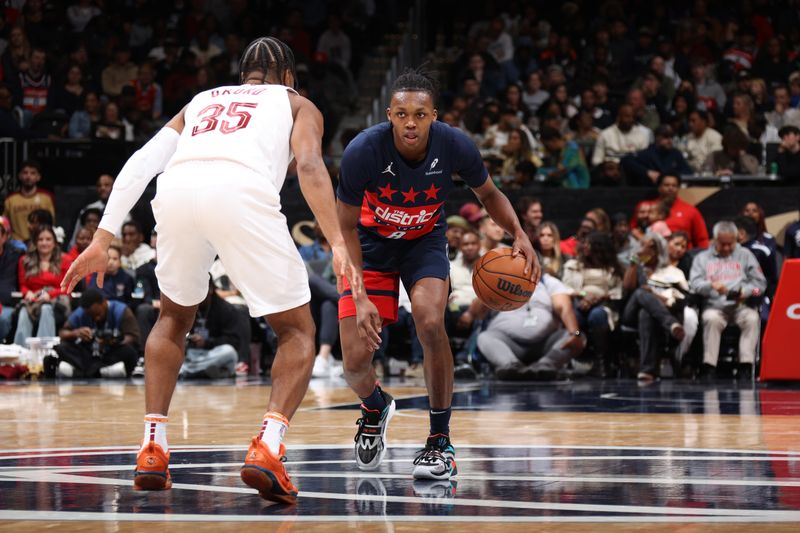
(501, 211)
(147, 162)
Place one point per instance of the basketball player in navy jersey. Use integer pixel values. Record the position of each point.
(393, 182)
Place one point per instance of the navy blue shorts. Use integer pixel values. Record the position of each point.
(414, 259)
(388, 261)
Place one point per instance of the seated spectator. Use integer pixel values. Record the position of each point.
(40, 273)
(625, 243)
(534, 95)
(549, 240)
(601, 219)
(99, 339)
(117, 284)
(82, 241)
(788, 158)
(318, 249)
(149, 97)
(135, 252)
(616, 141)
(456, 226)
(564, 162)
(756, 212)
(103, 186)
(147, 295)
(9, 280)
(644, 166)
(743, 116)
(325, 298)
(682, 215)
(641, 219)
(111, 126)
(498, 135)
(659, 213)
(747, 238)
(83, 122)
(733, 158)
(569, 246)
(536, 340)
(517, 150)
(782, 114)
(727, 277)
(492, 234)
(29, 197)
(584, 133)
(211, 349)
(791, 241)
(595, 280)
(119, 73)
(701, 140)
(39, 218)
(657, 303)
(530, 213)
(678, 243)
(646, 106)
(709, 91)
(464, 310)
(68, 97)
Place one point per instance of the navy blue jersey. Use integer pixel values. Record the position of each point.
(398, 200)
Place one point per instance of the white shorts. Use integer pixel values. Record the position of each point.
(209, 209)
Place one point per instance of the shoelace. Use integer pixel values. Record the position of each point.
(362, 423)
(429, 455)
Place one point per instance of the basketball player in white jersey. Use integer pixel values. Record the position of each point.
(224, 159)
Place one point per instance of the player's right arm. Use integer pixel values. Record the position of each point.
(315, 183)
(147, 162)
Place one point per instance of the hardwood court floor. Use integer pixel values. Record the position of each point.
(582, 456)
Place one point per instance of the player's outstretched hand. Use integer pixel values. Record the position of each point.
(523, 246)
(93, 259)
(368, 320)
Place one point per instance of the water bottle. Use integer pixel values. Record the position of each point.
(138, 291)
(773, 171)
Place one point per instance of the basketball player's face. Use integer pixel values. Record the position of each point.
(411, 114)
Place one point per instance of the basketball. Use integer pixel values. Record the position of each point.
(499, 282)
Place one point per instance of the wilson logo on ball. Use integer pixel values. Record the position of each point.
(512, 288)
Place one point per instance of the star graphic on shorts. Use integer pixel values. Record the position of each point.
(430, 194)
(387, 192)
(410, 196)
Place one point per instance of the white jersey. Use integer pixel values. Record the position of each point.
(248, 125)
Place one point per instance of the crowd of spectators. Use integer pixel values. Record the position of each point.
(612, 93)
(116, 71)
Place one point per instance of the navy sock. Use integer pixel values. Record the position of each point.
(375, 401)
(440, 421)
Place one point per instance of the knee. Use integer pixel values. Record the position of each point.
(714, 319)
(46, 310)
(430, 329)
(749, 319)
(598, 318)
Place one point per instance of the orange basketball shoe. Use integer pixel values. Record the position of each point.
(265, 472)
(152, 468)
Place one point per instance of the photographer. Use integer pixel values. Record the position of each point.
(99, 339)
(211, 343)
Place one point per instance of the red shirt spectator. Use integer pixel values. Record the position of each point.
(42, 280)
(683, 216)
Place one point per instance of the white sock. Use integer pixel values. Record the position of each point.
(272, 430)
(155, 429)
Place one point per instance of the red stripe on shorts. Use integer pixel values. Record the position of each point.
(382, 289)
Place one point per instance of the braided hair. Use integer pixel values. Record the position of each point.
(267, 55)
(416, 80)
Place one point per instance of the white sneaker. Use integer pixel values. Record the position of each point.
(65, 370)
(117, 370)
(322, 367)
(335, 370)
